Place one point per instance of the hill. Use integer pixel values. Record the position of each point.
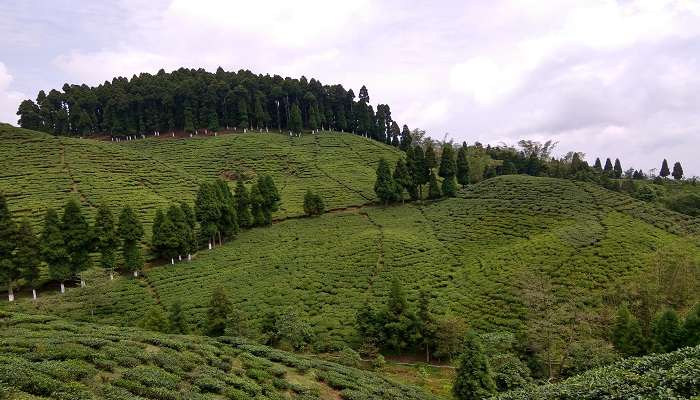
(42, 356)
(660, 376)
(503, 255)
(39, 171)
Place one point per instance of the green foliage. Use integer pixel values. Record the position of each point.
(473, 378)
(242, 198)
(106, 236)
(627, 334)
(177, 320)
(28, 253)
(154, 320)
(385, 187)
(313, 204)
(9, 270)
(462, 166)
(130, 233)
(449, 187)
(77, 237)
(433, 187)
(666, 331)
(677, 171)
(295, 123)
(53, 248)
(218, 313)
(664, 172)
(691, 327)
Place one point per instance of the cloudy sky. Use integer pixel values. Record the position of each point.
(609, 78)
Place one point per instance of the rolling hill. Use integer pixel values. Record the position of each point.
(42, 357)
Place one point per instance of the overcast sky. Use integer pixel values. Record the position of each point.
(609, 78)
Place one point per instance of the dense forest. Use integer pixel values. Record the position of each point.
(192, 100)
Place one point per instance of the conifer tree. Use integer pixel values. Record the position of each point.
(9, 271)
(227, 224)
(664, 169)
(462, 166)
(421, 172)
(433, 187)
(608, 170)
(677, 171)
(449, 187)
(257, 205)
(627, 334)
(666, 332)
(191, 221)
(598, 166)
(106, 237)
(430, 158)
(384, 186)
(406, 139)
(473, 379)
(169, 240)
(270, 196)
(402, 179)
(177, 320)
(411, 167)
(313, 204)
(157, 233)
(53, 249)
(426, 324)
(77, 237)
(691, 327)
(208, 211)
(245, 219)
(130, 233)
(448, 166)
(181, 229)
(28, 255)
(219, 310)
(295, 122)
(154, 320)
(617, 169)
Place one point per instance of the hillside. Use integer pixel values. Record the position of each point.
(661, 376)
(38, 171)
(47, 357)
(477, 255)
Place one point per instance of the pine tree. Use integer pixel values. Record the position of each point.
(154, 320)
(449, 187)
(462, 166)
(664, 169)
(402, 178)
(426, 324)
(270, 196)
(384, 186)
(157, 233)
(608, 170)
(181, 229)
(77, 237)
(617, 169)
(433, 188)
(9, 271)
(245, 219)
(177, 320)
(257, 205)
(473, 379)
(666, 332)
(627, 334)
(430, 158)
(170, 240)
(208, 211)
(421, 172)
(219, 310)
(406, 139)
(677, 171)
(313, 204)
(691, 327)
(130, 233)
(28, 255)
(191, 220)
(53, 248)
(295, 123)
(106, 237)
(448, 166)
(598, 166)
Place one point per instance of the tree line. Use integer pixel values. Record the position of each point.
(194, 100)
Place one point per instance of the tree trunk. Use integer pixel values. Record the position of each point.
(136, 274)
(82, 283)
(34, 294)
(427, 354)
(111, 276)
(63, 288)
(189, 257)
(179, 257)
(210, 245)
(10, 294)
(172, 261)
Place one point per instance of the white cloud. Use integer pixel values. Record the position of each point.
(9, 99)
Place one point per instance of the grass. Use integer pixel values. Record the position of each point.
(45, 356)
(475, 254)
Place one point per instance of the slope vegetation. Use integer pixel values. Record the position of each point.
(38, 171)
(476, 254)
(45, 357)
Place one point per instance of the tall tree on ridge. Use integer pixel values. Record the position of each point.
(677, 171)
(598, 166)
(430, 158)
(406, 139)
(608, 170)
(664, 169)
(462, 166)
(617, 169)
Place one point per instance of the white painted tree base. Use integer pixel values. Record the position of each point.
(189, 257)
(136, 274)
(111, 277)
(34, 294)
(172, 261)
(11, 297)
(63, 288)
(82, 283)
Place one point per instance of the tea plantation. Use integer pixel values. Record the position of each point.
(45, 357)
(39, 171)
(673, 375)
(475, 254)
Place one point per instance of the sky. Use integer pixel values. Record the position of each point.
(604, 77)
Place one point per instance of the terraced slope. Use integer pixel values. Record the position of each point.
(50, 358)
(38, 171)
(661, 376)
(475, 253)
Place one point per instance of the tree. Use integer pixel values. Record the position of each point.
(191, 220)
(245, 219)
(430, 158)
(53, 248)
(402, 179)
(420, 172)
(177, 321)
(313, 204)
(598, 166)
(677, 171)
(664, 169)
(449, 334)
(449, 187)
(106, 237)
(384, 186)
(691, 327)
(181, 230)
(448, 166)
(426, 324)
(406, 140)
(257, 205)
(473, 378)
(270, 196)
(77, 237)
(208, 211)
(130, 233)
(399, 322)
(627, 334)
(608, 169)
(217, 315)
(28, 255)
(154, 320)
(433, 188)
(462, 166)
(295, 122)
(617, 169)
(9, 271)
(666, 332)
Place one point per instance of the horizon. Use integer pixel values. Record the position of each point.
(609, 79)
